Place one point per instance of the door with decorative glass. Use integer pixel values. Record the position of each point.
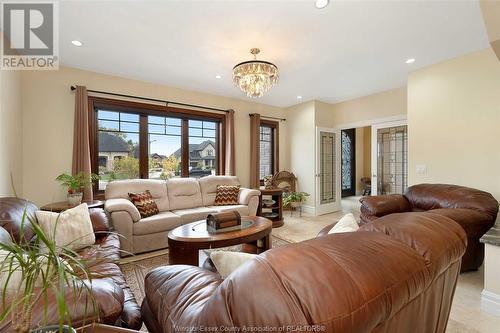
(390, 158)
(328, 187)
(348, 162)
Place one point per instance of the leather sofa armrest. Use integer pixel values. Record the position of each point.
(381, 205)
(167, 288)
(246, 194)
(120, 204)
(325, 230)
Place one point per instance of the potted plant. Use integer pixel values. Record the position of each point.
(294, 199)
(31, 271)
(75, 185)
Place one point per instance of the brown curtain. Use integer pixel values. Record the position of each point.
(254, 150)
(229, 168)
(81, 143)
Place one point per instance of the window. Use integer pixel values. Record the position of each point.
(118, 142)
(202, 143)
(268, 164)
(136, 140)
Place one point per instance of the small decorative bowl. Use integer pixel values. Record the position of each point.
(268, 202)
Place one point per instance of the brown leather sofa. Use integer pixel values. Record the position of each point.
(397, 274)
(115, 301)
(475, 210)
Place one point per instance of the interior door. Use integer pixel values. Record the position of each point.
(328, 188)
(390, 158)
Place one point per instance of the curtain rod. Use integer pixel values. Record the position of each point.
(153, 100)
(269, 117)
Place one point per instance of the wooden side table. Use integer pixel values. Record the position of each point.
(275, 211)
(58, 207)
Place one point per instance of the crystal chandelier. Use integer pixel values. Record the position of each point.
(255, 77)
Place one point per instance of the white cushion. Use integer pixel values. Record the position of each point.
(227, 262)
(163, 221)
(121, 189)
(184, 193)
(346, 224)
(193, 214)
(208, 186)
(71, 228)
(242, 209)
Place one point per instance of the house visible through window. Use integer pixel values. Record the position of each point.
(268, 164)
(135, 142)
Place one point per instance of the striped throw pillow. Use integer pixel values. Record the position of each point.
(144, 203)
(227, 195)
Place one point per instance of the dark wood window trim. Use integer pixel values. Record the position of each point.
(276, 151)
(144, 110)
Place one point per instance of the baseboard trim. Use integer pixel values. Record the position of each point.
(309, 210)
(490, 302)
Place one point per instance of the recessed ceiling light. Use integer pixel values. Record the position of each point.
(299, 97)
(410, 61)
(77, 43)
(321, 3)
(218, 76)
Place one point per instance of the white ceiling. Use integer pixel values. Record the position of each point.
(349, 49)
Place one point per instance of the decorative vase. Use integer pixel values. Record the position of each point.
(74, 199)
(53, 329)
(296, 204)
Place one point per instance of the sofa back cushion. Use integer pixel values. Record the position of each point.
(208, 186)
(184, 193)
(436, 196)
(11, 217)
(158, 189)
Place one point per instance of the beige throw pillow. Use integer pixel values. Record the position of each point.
(71, 228)
(227, 261)
(346, 224)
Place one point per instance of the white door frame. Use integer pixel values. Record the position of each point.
(335, 206)
(375, 128)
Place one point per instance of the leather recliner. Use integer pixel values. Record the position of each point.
(397, 274)
(114, 300)
(475, 210)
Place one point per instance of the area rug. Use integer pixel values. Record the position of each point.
(135, 271)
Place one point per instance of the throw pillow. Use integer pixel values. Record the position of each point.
(227, 195)
(71, 228)
(227, 262)
(144, 203)
(346, 224)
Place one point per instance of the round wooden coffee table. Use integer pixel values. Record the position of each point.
(186, 241)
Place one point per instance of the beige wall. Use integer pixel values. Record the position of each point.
(365, 109)
(10, 133)
(360, 158)
(363, 156)
(48, 108)
(300, 146)
(454, 122)
(367, 152)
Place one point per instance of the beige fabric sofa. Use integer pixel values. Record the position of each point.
(180, 201)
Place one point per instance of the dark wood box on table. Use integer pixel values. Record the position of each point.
(223, 220)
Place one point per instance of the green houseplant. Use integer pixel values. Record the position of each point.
(294, 199)
(31, 272)
(75, 185)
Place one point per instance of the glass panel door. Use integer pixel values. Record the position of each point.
(327, 175)
(348, 162)
(392, 160)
